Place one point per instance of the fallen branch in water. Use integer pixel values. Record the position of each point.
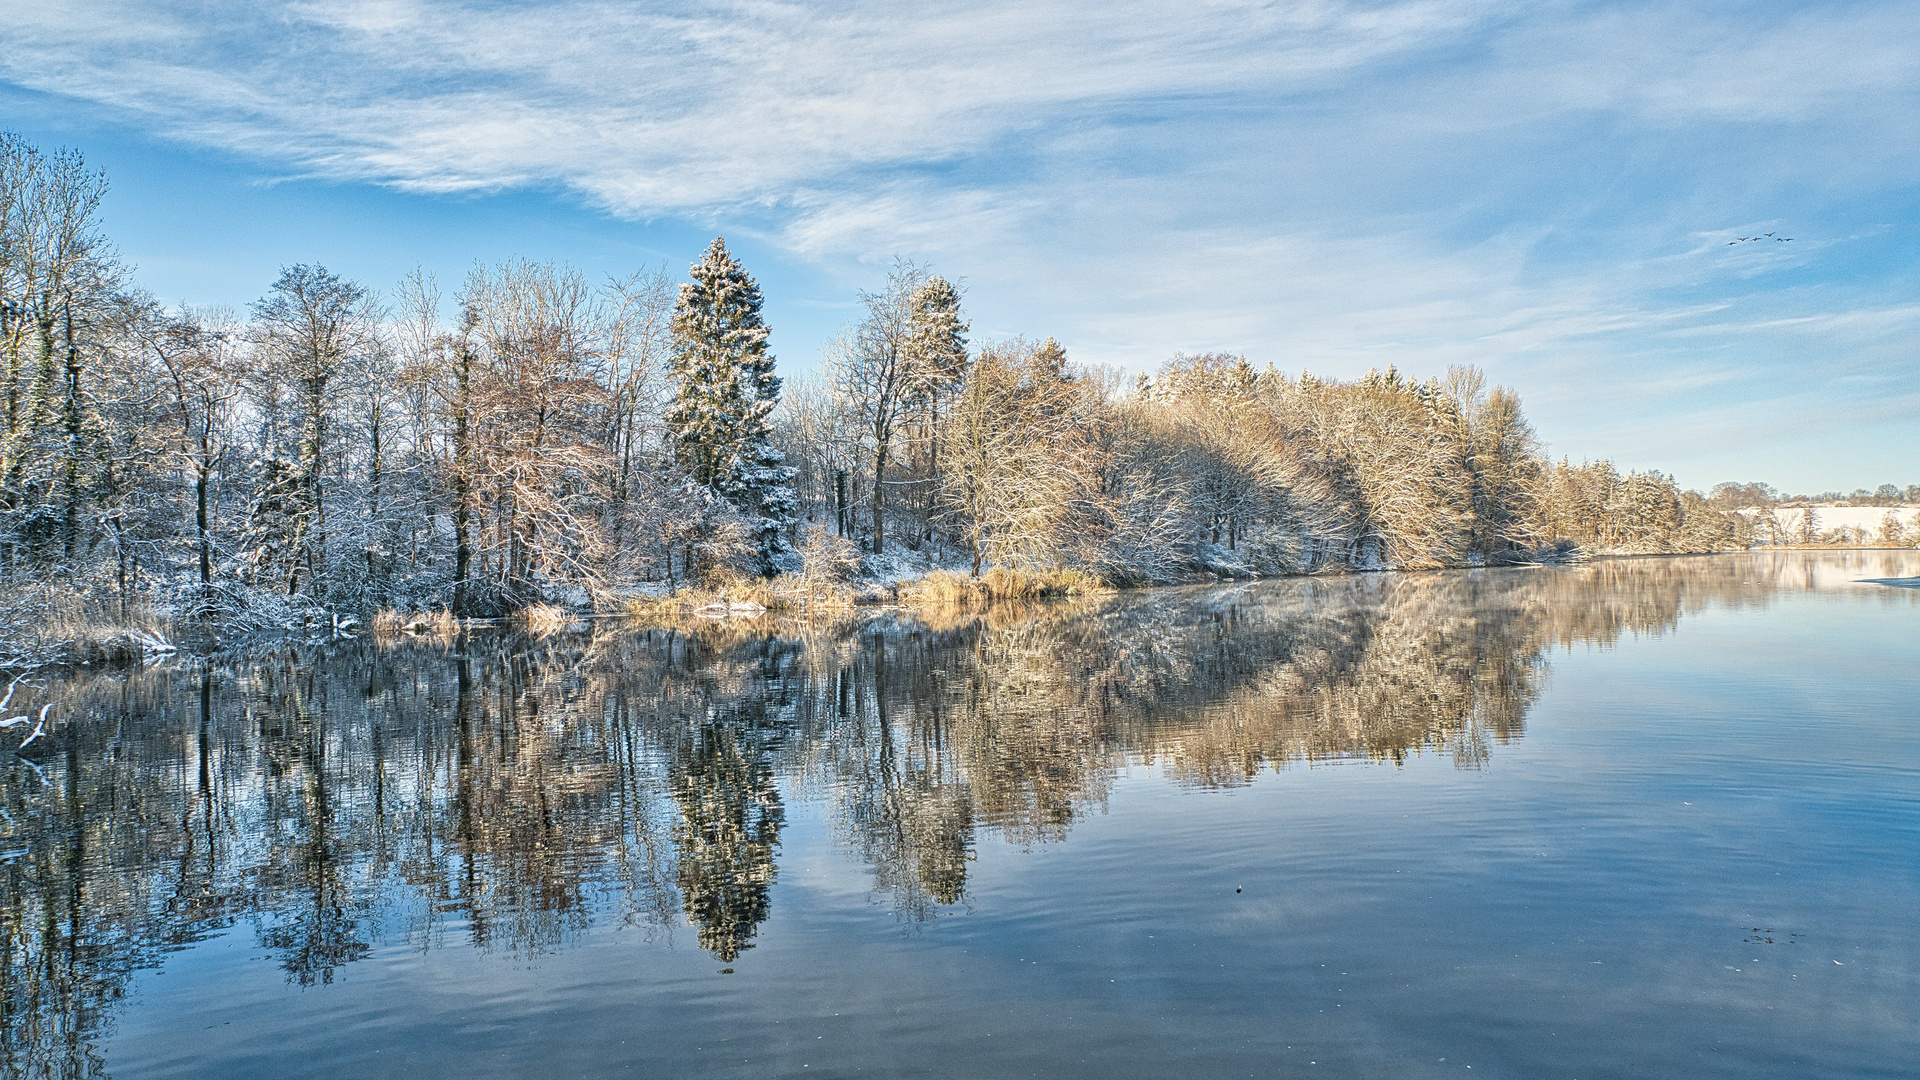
(41, 728)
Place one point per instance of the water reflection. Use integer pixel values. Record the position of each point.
(509, 794)
(730, 816)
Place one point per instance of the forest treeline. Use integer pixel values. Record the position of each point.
(535, 436)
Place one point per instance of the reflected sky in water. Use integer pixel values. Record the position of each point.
(1641, 817)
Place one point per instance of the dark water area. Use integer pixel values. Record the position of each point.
(1654, 817)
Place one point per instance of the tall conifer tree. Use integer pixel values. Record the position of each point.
(724, 390)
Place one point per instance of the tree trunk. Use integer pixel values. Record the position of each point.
(373, 479)
(933, 479)
(200, 521)
(462, 548)
(462, 480)
(879, 497)
(70, 523)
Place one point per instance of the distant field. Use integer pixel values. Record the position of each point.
(1866, 519)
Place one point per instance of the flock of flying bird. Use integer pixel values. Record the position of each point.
(1766, 236)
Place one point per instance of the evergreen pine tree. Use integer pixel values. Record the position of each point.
(936, 344)
(724, 390)
(278, 524)
(1051, 358)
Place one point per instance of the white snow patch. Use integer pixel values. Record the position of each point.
(900, 564)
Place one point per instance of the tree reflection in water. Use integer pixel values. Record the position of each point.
(511, 793)
(730, 816)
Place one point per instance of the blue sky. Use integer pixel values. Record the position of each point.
(1551, 190)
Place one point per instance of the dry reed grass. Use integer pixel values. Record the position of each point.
(649, 607)
(49, 623)
(545, 620)
(438, 625)
(999, 585)
(787, 594)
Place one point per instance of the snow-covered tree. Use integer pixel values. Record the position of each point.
(61, 308)
(936, 350)
(936, 345)
(314, 332)
(893, 372)
(725, 390)
(278, 525)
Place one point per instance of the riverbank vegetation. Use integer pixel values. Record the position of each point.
(534, 439)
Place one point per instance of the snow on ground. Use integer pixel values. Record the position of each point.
(901, 564)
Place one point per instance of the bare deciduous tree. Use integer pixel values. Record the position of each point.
(903, 358)
(1016, 455)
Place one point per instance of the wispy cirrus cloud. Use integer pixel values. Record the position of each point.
(1546, 189)
(662, 108)
(649, 109)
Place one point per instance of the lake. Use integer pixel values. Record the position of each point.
(1643, 817)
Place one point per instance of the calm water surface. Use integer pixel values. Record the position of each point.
(1642, 818)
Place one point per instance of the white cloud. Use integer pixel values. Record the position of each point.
(651, 111)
